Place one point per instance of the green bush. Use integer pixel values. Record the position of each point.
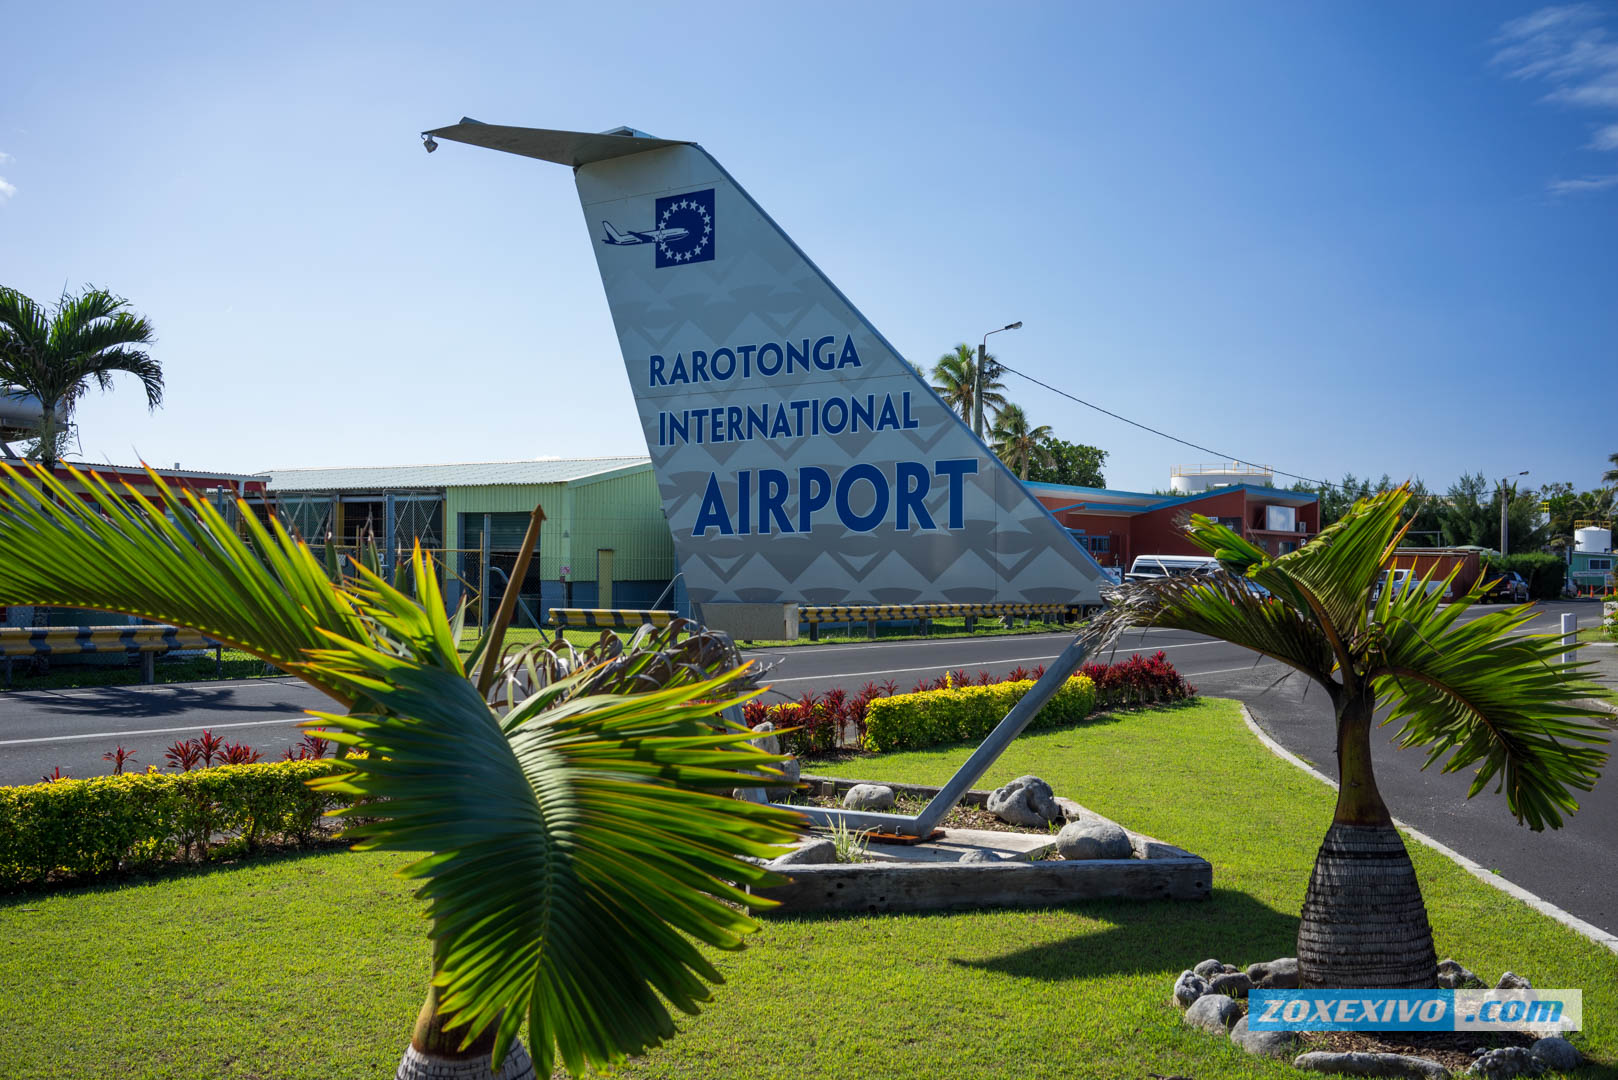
(931, 717)
(1545, 573)
(80, 829)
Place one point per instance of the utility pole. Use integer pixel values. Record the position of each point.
(1505, 501)
(978, 376)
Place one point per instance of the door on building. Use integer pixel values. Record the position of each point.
(506, 532)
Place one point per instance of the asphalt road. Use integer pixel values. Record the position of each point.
(1575, 867)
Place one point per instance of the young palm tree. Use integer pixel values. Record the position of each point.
(953, 377)
(1017, 444)
(55, 355)
(1477, 691)
(576, 833)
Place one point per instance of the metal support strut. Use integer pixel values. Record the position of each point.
(923, 824)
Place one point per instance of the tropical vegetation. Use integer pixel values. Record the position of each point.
(570, 815)
(1018, 443)
(1475, 694)
(1072, 464)
(54, 354)
(954, 377)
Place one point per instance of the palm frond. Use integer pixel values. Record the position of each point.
(1223, 606)
(578, 845)
(1490, 697)
(175, 560)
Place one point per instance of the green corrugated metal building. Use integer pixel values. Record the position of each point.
(604, 542)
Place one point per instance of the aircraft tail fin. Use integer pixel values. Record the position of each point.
(800, 459)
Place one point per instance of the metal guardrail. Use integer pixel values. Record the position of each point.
(147, 642)
(871, 614)
(608, 618)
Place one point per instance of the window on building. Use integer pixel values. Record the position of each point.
(1600, 564)
(1099, 543)
(1234, 524)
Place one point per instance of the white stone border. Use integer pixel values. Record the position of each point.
(1544, 907)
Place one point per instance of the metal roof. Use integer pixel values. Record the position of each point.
(472, 474)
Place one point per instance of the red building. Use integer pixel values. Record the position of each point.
(1118, 526)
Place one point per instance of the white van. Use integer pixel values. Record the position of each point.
(1148, 567)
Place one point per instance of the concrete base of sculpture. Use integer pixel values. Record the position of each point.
(974, 868)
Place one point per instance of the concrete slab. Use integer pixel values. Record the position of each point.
(1008, 846)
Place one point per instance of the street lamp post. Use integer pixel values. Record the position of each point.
(977, 378)
(1503, 504)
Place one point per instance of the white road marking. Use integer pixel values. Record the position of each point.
(153, 731)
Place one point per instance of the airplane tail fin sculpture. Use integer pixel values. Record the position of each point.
(799, 457)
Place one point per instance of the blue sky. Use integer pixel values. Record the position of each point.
(1375, 238)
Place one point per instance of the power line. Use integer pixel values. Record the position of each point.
(1164, 434)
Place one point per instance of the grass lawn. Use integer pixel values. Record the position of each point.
(65, 674)
(312, 966)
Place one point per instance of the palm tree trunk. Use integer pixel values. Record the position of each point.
(1364, 922)
(435, 1055)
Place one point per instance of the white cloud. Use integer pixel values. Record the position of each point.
(7, 190)
(5, 157)
(1605, 138)
(1583, 185)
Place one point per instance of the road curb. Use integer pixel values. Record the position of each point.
(1544, 907)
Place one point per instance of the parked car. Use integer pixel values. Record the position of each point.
(1402, 580)
(1505, 587)
(1149, 567)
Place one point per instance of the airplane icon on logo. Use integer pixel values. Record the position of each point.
(682, 230)
(640, 236)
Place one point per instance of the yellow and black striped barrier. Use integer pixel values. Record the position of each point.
(146, 642)
(608, 618)
(871, 614)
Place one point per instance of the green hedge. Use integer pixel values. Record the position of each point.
(931, 717)
(84, 828)
(1545, 573)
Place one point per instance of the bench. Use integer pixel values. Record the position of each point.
(148, 642)
(871, 614)
(607, 618)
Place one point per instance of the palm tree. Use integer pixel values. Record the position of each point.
(953, 378)
(54, 355)
(1611, 475)
(1478, 691)
(1017, 444)
(572, 815)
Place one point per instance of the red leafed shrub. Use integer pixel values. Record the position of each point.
(184, 756)
(754, 713)
(310, 748)
(1017, 674)
(54, 775)
(210, 746)
(239, 754)
(118, 757)
(985, 679)
(1137, 681)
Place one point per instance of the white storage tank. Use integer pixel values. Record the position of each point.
(1190, 479)
(1592, 539)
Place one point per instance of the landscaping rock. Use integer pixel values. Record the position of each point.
(1188, 988)
(791, 770)
(1231, 984)
(817, 852)
(1208, 968)
(1452, 975)
(1512, 981)
(868, 797)
(1362, 1064)
(1027, 802)
(764, 738)
(1213, 1013)
(1279, 974)
(1504, 1064)
(978, 855)
(1556, 1054)
(1275, 1044)
(1096, 840)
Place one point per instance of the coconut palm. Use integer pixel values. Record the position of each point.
(1477, 691)
(1017, 444)
(953, 377)
(54, 355)
(577, 840)
(1611, 475)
